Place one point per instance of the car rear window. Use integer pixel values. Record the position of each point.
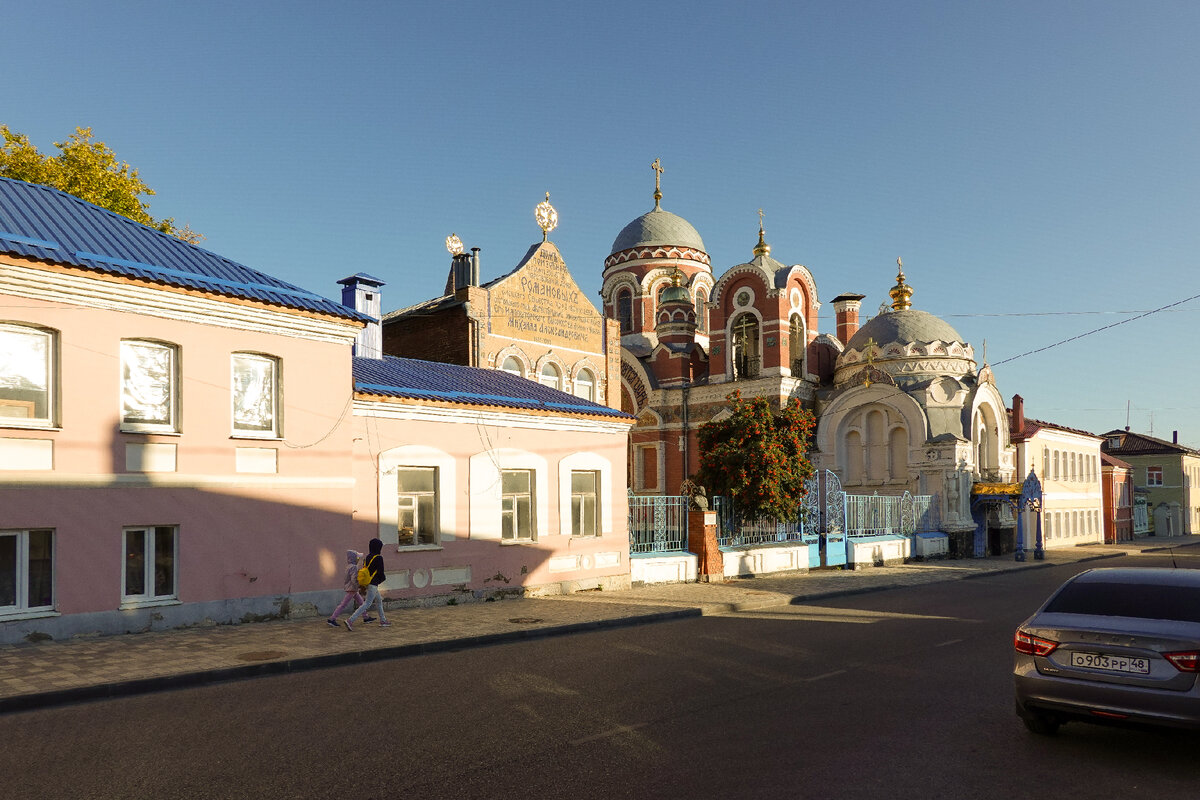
(1180, 603)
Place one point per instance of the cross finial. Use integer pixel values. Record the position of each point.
(762, 248)
(869, 347)
(658, 171)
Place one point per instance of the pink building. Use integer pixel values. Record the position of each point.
(183, 442)
(479, 481)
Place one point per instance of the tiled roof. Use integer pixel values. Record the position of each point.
(429, 380)
(1105, 458)
(40, 222)
(1032, 426)
(1137, 444)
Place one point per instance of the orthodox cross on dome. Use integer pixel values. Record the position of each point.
(901, 293)
(762, 248)
(658, 171)
(869, 350)
(546, 216)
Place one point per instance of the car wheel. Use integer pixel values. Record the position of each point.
(1041, 724)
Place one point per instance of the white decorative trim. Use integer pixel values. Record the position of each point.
(62, 287)
(171, 480)
(486, 491)
(416, 455)
(586, 462)
(26, 454)
(467, 415)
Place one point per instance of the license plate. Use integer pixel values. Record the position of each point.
(1134, 665)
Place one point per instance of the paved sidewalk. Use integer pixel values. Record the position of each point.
(54, 673)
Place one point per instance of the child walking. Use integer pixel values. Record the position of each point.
(374, 565)
(353, 590)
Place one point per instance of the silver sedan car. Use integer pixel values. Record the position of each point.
(1112, 645)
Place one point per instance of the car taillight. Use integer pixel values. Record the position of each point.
(1033, 645)
(1187, 661)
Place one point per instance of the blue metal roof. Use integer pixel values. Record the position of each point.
(431, 380)
(40, 222)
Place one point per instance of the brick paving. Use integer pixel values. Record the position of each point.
(51, 673)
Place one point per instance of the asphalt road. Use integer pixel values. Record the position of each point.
(898, 694)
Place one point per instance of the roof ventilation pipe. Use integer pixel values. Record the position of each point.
(474, 266)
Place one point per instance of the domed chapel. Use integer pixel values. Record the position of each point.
(901, 402)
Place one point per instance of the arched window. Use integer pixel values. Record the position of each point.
(701, 311)
(551, 376)
(897, 454)
(585, 385)
(625, 310)
(512, 365)
(796, 345)
(747, 358)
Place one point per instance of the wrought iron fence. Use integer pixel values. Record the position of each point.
(875, 515)
(657, 524)
(734, 532)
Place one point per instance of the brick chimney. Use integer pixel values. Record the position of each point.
(1174, 437)
(1018, 416)
(845, 307)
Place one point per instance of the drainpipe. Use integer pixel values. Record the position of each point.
(687, 464)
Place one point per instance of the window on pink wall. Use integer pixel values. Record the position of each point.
(26, 571)
(28, 376)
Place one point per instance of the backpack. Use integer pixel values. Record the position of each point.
(364, 575)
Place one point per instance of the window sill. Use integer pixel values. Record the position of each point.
(131, 604)
(516, 542)
(9, 423)
(43, 613)
(148, 432)
(417, 548)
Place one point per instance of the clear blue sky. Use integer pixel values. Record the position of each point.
(1034, 164)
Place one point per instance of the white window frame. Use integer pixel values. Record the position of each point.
(410, 502)
(1157, 472)
(585, 506)
(50, 420)
(414, 455)
(510, 505)
(519, 369)
(20, 606)
(148, 597)
(586, 462)
(276, 396)
(173, 400)
(585, 379)
(551, 376)
(486, 497)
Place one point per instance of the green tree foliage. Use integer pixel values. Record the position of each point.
(89, 170)
(758, 457)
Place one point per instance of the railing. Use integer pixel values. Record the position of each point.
(747, 367)
(866, 515)
(657, 524)
(732, 532)
(875, 515)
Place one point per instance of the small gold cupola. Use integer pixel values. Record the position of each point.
(901, 293)
(762, 248)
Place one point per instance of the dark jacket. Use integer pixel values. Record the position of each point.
(374, 562)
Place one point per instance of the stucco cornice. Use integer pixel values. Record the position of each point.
(56, 285)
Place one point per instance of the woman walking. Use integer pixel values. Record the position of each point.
(373, 565)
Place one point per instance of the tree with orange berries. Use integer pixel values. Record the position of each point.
(758, 457)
